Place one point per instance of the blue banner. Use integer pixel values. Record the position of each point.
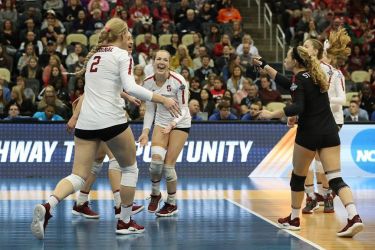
(212, 149)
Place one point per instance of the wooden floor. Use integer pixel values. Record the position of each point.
(214, 214)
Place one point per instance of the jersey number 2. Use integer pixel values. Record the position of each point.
(95, 62)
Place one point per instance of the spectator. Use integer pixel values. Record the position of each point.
(175, 42)
(141, 112)
(6, 91)
(5, 60)
(356, 59)
(228, 13)
(247, 39)
(3, 101)
(180, 13)
(223, 60)
(362, 113)
(56, 79)
(203, 72)
(253, 113)
(162, 11)
(71, 10)
(30, 26)
(32, 70)
(236, 33)
(223, 114)
(96, 22)
(213, 37)
(242, 92)
(82, 24)
(191, 24)
(182, 52)
(207, 103)
(147, 45)
(218, 90)
(194, 110)
(9, 37)
(99, 4)
(51, 28)
(14, 112)
(235, 82)
(196, 45)
(24, 59)
(139, 74)
(252, 96)
(218, 47)
(50, 98)
(79, 85)
(27, 108)
(48, 114)
(165, 27)
(61, 46)
(54, 61)
(302, 26)
(227, 70)
(137, 12)
(367, 99)
(197, 62)
(31, 38)
(56, 5)
(195, 89)
(185, 65)
(207, 14)
(266, 93)
(354, 113)
(185, 72)
(73, 57)
(8, 12)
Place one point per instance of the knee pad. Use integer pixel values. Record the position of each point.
(336, 184)
(319, 167)
(297, 183)
(76, 181)
(113, 165)
(96, 167)
(170, 173)
(129, 176)
(156, 169)
(157, 150)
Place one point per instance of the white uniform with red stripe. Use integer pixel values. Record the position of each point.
(108, 72)
(336, 91)
(174, 87)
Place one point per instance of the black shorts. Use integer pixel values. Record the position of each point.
(104, 134)
(186, 130)
(315, 142)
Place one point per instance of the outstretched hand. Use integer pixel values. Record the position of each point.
(172, 106)
(71, 124)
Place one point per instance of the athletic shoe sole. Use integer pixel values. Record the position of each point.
(289, 227)
(130, 230)
(356, 228)
(85, 215)
(38, 220)
(167, 215)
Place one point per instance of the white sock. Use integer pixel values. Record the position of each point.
(352, 211)
(326, 191)
(117, 198)
(52, 201)
(171, 199)
(82, 197)
(155, 190)
(126, 213)
(295, 213)
(320, 189)
(310, 191)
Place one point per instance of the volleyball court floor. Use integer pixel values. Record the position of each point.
(238, 213)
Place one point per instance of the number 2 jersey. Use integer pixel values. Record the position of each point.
(108, 72)
(175, 87)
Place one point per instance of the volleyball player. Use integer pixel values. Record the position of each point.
(337, 44)
(169, 133)
(317, 131)
(102, 118)
(81, 206)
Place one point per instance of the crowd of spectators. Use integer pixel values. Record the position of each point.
(206, 40)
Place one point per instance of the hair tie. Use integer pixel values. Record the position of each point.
(326, 45)
(107, 29)
(298, 57)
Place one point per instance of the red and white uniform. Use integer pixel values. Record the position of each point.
(108, 72)
(336, 91)
(174, 87)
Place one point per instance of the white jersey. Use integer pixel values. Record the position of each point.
(174, 87)
(336, 91)
(109, 71)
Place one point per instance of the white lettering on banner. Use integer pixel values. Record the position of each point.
(245, 150)
(232, 145)
(19, 151)
(69, 150)
(209, 151)
(147, 153)
(220, 154)
(4, 149)
(191, 156)
(36, 153)
(49, 149)
(365, 155)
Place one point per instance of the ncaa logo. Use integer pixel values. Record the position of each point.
(363, 150)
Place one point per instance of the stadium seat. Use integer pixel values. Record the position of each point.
(93, 40)
(360, 76)
(5, 73)
(165, 39)
(187, 39)
(141, 38)
(272, 106)
(80, 38)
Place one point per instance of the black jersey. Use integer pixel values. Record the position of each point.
(309, 103)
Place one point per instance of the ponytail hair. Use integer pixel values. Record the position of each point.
(114, 28)
(312, 65)
(338, 42)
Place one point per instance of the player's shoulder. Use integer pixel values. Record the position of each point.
(149, 81)
(177, 77)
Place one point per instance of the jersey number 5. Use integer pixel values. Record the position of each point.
(95, 62)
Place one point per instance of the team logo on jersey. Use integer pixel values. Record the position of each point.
(182, 87)
(169, 88)
(293, 87)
